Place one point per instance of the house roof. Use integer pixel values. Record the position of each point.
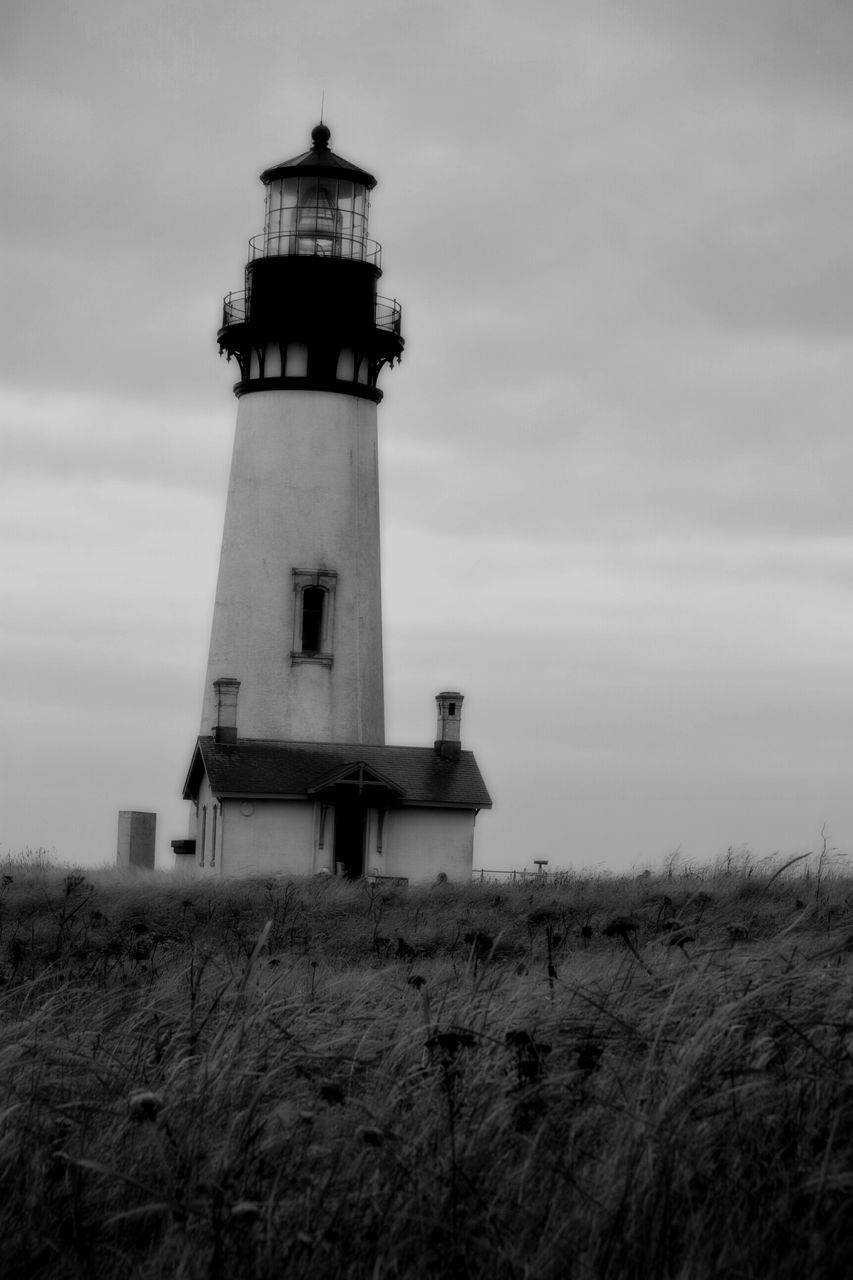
(408, 775)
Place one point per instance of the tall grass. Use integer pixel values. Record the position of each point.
(605, 1077)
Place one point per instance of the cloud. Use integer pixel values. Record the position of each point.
(99, 438)
(804, 50)
(615, 458)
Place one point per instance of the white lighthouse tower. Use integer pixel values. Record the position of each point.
(298, 615)
(291, 772)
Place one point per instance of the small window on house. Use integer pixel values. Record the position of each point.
(451, 708)
(313, 599)
(213, 838)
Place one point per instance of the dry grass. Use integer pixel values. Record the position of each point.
(606, 1077)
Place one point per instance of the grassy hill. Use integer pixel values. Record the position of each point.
(598, 1077)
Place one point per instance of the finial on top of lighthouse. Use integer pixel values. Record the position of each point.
(320, 136)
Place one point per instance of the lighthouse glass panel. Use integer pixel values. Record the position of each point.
(316, 217)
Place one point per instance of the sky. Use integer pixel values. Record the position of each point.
(616, 459)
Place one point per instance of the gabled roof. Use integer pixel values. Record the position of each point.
(296, 770)
(357, 774)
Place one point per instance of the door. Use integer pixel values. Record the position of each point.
(349, 838)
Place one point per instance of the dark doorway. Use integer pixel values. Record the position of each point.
(354, 792)
(349, 839)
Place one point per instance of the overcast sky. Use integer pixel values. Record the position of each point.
(616, 459)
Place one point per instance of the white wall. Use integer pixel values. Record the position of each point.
(201, 830)
(303, 494)
(420, 843)
(276, 838)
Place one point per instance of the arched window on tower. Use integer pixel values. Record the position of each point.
(313, 615)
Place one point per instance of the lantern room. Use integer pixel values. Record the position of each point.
(317, 204)
(309, 316)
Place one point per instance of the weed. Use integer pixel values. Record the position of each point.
(605, 1078)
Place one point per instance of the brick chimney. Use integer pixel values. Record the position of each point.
(225, 729)
(448, 743)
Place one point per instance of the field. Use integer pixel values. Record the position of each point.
(591, 1077)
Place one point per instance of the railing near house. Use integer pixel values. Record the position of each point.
(482, 875)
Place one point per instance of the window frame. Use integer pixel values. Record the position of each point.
(327, 582)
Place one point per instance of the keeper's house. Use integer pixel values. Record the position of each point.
(296, 808)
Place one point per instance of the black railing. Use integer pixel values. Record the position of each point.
(234, 309)
(287, 244)
(388, 315)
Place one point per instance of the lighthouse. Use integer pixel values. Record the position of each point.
(291, 772)
(298, 609)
